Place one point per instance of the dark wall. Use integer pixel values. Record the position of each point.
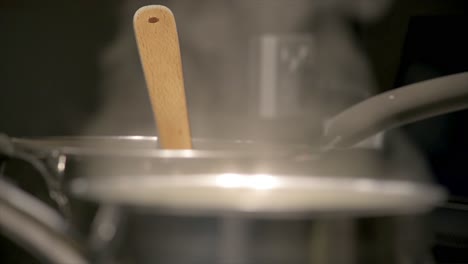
(48, 63)
(437, 46)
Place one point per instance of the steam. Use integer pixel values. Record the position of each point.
(221, 54)
(222, 71)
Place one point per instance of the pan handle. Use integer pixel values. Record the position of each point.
(396, 108)
(32, 224)
(36, 227)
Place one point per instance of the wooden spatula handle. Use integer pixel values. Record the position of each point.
(158, 45)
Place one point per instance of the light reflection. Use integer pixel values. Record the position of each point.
(138, 138)
(262, 182)
(257, 181)
(230, 180)
(62, 160)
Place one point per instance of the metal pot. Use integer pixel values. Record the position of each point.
(129, 176)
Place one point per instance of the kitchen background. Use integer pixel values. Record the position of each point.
(71, 68)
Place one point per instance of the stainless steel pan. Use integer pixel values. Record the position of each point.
(266, 180)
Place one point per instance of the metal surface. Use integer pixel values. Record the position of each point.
(398, 107)
(145, 146)
(262, 193)
(36, 227)
(243, 177)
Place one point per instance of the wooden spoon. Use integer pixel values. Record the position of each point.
(158, 45)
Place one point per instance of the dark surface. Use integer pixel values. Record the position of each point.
(48, 70)
(49, 76)
(437, 46)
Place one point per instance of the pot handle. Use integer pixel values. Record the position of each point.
(34, 225)
(395, 108)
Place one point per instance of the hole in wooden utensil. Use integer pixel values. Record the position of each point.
(153, 19)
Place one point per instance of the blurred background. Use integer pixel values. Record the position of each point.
(72, 68)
